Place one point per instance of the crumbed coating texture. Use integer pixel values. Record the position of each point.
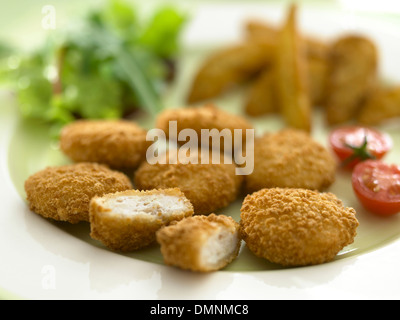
(290, 158)
(124, 233)
(63, 193)
(209, 187)
(117, 143)
(181, 242)
(295, 227)
(203, 117)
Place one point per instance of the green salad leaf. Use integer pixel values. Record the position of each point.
(161, 34)
(110, 65)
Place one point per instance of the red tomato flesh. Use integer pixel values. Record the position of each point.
(378, 143)
(377, 186)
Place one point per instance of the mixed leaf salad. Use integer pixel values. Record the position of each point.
(106, 66)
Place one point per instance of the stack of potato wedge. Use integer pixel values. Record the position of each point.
(291, 74)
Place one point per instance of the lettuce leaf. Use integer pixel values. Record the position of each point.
(112, 64)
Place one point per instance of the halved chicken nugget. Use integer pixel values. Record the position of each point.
(63, 193)
(296, 227)
(353, 62)
(128, 220)
(200, 243)
(116, 143)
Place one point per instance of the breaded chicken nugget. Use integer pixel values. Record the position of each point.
(117, 143)
(353, 62)
(128, 220)
(200, 243)
(295, 227)
(227, 68)
(209, 187)
(205, 117)
(63, 193)
(290, 158)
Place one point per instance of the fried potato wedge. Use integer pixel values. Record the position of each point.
(317, 80)
(255, 30)
(291, 75)
(229, 67)
(382, 105)
(316, 51)
(261, 97)
(316, 48)
(261, 31)
(353, 64)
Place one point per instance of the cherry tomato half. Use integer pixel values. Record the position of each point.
(377, 186)
(353, 144)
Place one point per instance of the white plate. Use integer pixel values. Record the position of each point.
(39, 260)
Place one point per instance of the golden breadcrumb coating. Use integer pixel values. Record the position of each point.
(63, 193)
(209, 187)
(117, 143)
(204, 117)
(290, 158)
(128, 220)
(295, 227)
(185, 243)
